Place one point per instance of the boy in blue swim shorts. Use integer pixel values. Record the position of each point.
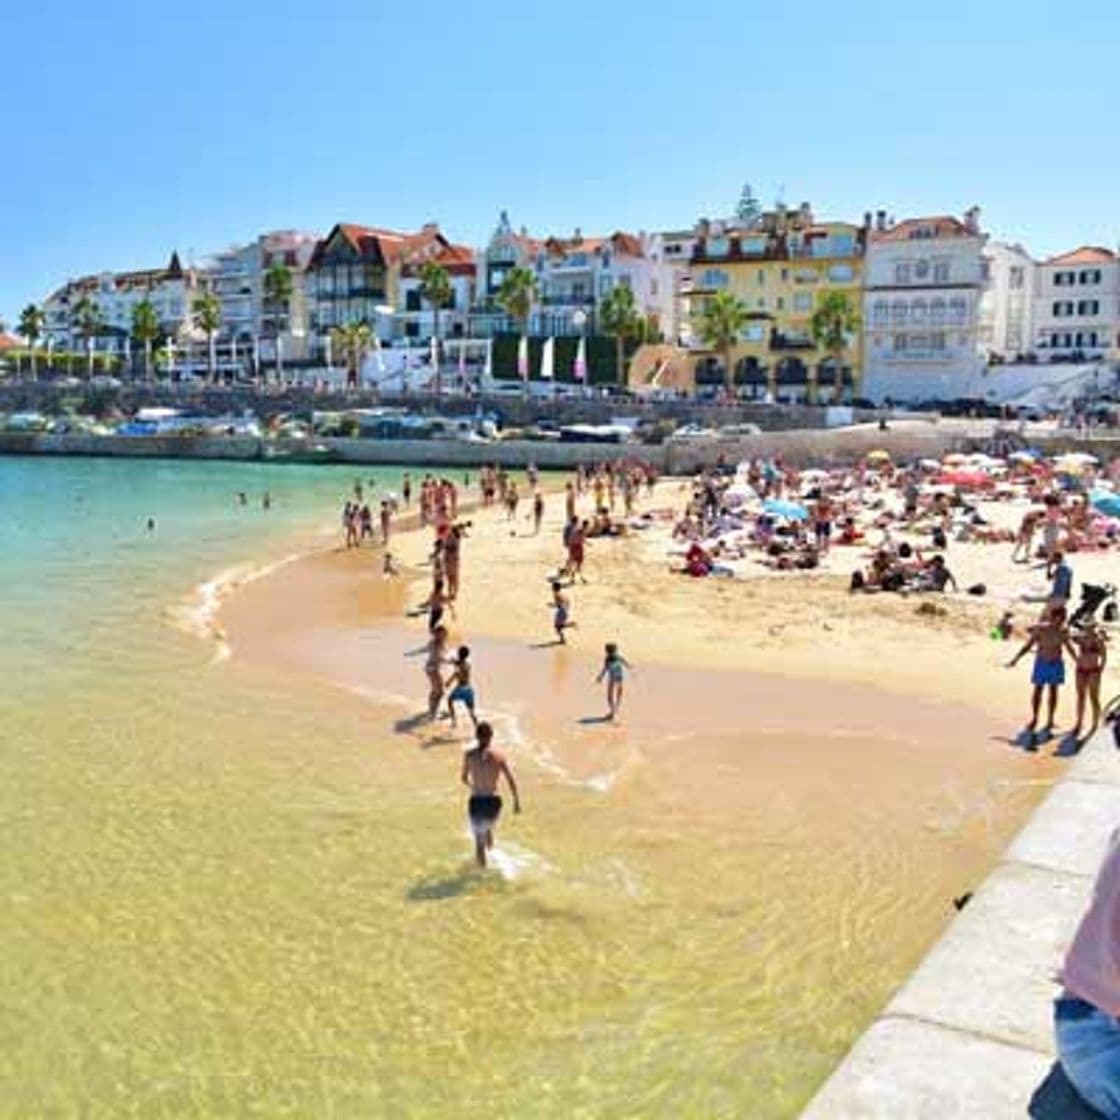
(1049, 638)
(462, 692)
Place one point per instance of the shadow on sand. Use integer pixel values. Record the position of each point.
(467, 880)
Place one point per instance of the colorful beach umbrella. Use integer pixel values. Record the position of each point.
(1108, 504)
(964, 478)
(791, 511)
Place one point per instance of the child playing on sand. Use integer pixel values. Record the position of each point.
(1092, 656)
(614, 669)
(561, 612)
(389, 567)
(462, 692)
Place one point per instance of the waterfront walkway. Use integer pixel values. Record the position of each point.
(969, 1035)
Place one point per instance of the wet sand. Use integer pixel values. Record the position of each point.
(799, 785)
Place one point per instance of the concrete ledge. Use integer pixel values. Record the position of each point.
(901, 1070)
(969, 1034)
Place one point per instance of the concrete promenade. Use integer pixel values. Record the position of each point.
(969, 1035)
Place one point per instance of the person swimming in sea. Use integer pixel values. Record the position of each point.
(483, 767)
(463, 692)
(614, 669)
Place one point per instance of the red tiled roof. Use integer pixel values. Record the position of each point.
(8, 343)
(941, 226)
(1087, 254)
(621, 242)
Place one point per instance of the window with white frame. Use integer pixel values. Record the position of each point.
(1088, 307)
(958, 309)
(717, 246)
(714, 278)
(898, 311)
(902, 272)
(803, 301)
(841, 273)
(941, 272)
(937, 311)
(880, 313)
(918, 310)
(900, 344)
(753, 332)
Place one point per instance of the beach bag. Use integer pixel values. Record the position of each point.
(857, 582)
(978, 589)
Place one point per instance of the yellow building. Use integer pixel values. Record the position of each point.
(779, 266)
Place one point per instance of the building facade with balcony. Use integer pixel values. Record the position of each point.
(170, 290)
(414, 318)
(573, 276)
(371, 275)
(1006, 314)
(921, 308)
(1077, 306)
(778, 266)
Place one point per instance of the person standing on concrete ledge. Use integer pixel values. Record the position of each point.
(1087, 1013)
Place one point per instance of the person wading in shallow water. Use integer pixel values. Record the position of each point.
(482, 768)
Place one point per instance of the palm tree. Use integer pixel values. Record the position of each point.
(145, 329)
(353, 342)
(87, 320)
(619, 317)
(277, 298)
(31, 321)
(721, 324)
(436, 290)
(207, 314)
(833, 323)
(516, 296)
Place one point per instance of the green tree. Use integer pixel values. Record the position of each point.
(516, 296)
(353, 342)
(206, 311)
(832, 325)
(436, 291)
(145, 329)
(278, 299)
(87, 320)
(618, 317)
(31, 320)
(748, 210)
(721, 324)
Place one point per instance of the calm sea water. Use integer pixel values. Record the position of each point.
(225, 895)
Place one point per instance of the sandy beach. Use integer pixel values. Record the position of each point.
(789, 757)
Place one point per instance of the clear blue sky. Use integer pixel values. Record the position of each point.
(133, 129)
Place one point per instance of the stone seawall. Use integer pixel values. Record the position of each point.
(969, 1035)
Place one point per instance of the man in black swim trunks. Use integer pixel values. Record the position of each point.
(482, 768)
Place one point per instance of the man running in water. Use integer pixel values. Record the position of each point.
(482, 768)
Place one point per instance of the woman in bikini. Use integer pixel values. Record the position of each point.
(437, 645)
(1092, 656)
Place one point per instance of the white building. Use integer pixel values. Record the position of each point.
(574, 275)
(170, 290)
(250, 324)
(674, 251)
(1077, 306)
(922, 288)
(1007, 302)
